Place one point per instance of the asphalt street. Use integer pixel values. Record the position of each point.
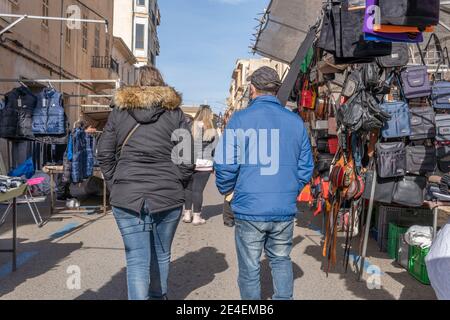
(204, 262)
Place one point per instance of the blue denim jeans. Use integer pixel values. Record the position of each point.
(148, 241)
(275, 238)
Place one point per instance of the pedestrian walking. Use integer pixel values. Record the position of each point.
(145, 181)
(205, 140)
(265, 192)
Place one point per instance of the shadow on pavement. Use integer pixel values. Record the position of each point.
(115, 289)
(187, 274)
(195, 270)
(212, 211)
(34, 260)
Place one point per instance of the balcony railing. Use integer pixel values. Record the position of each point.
(105, 62)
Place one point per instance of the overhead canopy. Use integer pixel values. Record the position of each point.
(286, 23)
(284, 27)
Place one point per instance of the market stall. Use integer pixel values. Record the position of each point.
(372, 88)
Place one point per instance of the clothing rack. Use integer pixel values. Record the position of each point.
(48, 81)
(21, 17)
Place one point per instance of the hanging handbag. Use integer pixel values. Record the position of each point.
(350, 114)
(416, 13)
(443, 158)
(384, 188)
(423, 123)
(420, 159)
(442, 127)
(371, 75)
(332, 126)
(410, 191)
(399, 125)
(399, 57)
(324, 161)
(415, 81)
(440, 96)
(391, 159)
(333, 145)
(322, 146)
(308, 97)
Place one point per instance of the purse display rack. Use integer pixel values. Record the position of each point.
(369, 111)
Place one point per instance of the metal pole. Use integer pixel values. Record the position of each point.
(12, 24)
(104, 196)
(14, 249)
(25, 16)
(52, 192)
(368, 221)
(435, 221)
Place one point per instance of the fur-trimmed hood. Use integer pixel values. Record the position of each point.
(131, 98)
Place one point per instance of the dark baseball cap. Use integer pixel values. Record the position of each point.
(265, 79)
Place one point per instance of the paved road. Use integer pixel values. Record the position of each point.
(204, 262)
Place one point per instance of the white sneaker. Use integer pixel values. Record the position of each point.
(198, 220)
(187, 216)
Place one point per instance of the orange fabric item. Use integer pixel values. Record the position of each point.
(398, 29)
(306, 195)
(326, 189)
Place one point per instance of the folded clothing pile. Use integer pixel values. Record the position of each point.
(8, 183)
(419, 236)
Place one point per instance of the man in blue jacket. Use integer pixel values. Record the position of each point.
(265, 159)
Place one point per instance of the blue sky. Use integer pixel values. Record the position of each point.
(200, 43)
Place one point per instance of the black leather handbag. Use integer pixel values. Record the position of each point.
(391, 159)
(420, 159)
(324, 162)
(410, 191)
(399, 57)
(423, 123)
(442, 127)
(384, 188)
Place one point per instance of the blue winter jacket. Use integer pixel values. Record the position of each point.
(266, 164)
(48, 116)
(82, 155)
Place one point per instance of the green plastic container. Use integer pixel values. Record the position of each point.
(417, 267)
(394, 234)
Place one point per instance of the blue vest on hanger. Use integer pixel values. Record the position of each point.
(48, 116)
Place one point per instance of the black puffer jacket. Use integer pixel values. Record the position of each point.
(146, 170)
(17, 114)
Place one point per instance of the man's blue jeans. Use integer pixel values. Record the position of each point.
(276, 240)
(148, 241)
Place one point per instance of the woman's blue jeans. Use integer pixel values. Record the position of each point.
(148, 241)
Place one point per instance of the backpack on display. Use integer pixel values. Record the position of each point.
(442, 127)
(416, 83)
(399, 125)
(423, 123)
(391, 159)
(440, 96)
(410, 191)
(420, 159)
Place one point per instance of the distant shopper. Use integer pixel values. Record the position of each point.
(265, 158)
(205, 139)
(146, 185)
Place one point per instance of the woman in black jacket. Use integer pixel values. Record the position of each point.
(146, 175)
